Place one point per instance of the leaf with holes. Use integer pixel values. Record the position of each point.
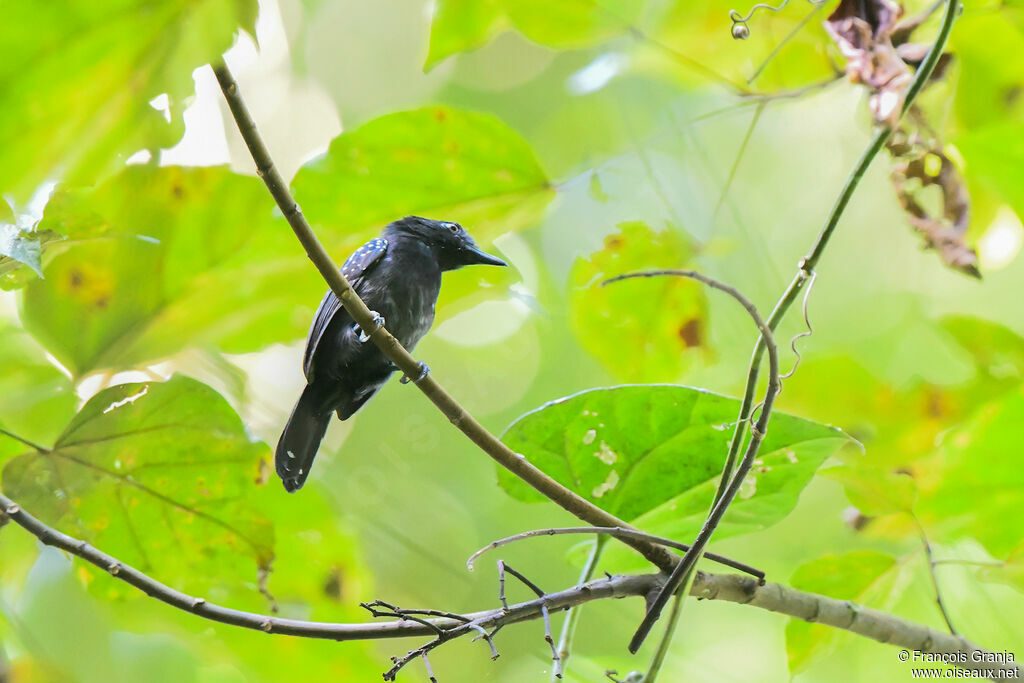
(863, 576)
(158, 474)
(646, 329)
(655, 452)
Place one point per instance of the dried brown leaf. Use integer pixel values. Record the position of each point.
(920, 163)
(863, 31)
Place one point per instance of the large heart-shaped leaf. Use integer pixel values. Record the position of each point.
(188, 257)
(78, 75)
(658, 449)
(157, 474)
(436, 162)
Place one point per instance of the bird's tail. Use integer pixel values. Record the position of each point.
(301, 438)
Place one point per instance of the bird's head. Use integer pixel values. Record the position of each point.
(449, 241)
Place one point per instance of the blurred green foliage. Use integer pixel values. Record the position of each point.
(584, 139)
(159, 474)
(630, 326)
(83, 74)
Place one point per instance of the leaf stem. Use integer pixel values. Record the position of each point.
(28, 443)
(572, 616)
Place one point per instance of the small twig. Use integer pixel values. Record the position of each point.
(401, 615)
(488, 638)
(430, 669)
(572, 616)
(666, 641)
(724, 194)
(262, 577)
(556, 661)
(617, 532)
(930, 559)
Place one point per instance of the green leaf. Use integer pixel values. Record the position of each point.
(78, 77)
(1010, 572)
(861, 576)
(460, 25)
(157, 474)
(188, 257)
(36, 398)
(643, 329)
(437, 162)
(875, 491)
(992, 156)
(633, 448)
(987, 82)
(974, 486)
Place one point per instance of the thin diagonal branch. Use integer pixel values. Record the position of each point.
(929, 557)
(870, 623)
(732, 476)
(572, 616)
(456, 414)
(683, 571)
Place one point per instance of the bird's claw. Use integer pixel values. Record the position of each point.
(378, 321)
(424, 371)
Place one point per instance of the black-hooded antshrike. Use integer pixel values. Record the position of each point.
(398, 276)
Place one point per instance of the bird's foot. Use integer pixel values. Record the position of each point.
(378, 321)
(424, 371)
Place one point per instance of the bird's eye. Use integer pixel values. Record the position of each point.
(454, 227)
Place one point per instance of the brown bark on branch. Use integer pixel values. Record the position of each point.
(870, 623)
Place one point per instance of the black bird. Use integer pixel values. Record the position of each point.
(398, 276)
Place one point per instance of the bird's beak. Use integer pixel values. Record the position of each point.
(476, 255)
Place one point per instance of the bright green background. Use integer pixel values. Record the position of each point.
(579, 140)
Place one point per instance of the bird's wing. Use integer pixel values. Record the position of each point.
(355, 269)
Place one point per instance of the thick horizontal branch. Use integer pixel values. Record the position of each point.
(393, 349)
(870, 623)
